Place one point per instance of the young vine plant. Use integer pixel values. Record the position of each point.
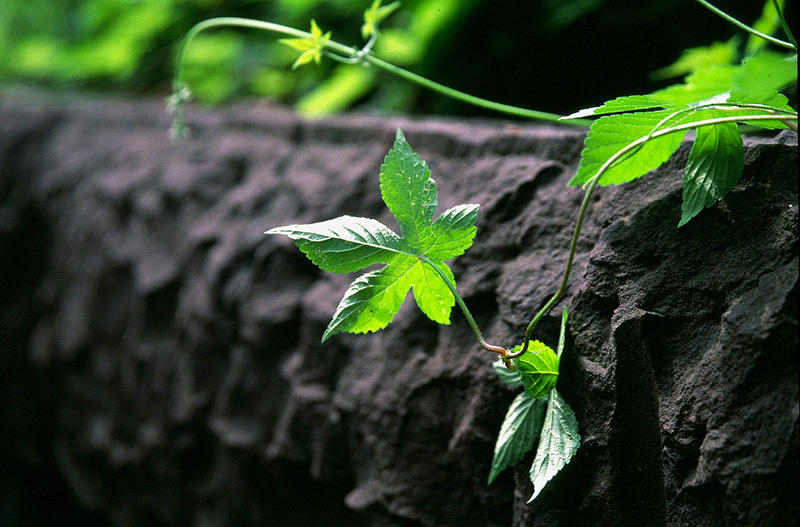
(415, 260)
(630, 137)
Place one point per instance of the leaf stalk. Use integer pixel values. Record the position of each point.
(745, 27)
(470, 319)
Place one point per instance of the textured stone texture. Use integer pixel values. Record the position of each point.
(162, 357)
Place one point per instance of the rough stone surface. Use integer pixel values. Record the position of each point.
(162, 363)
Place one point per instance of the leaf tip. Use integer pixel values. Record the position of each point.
(533, 497)
(580, 114)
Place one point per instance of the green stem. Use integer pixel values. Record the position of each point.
(596, 179)
(745, 27)
(722, 107)
(466, 98)
(563, 287)
(346, 54)
(785, 26)
(474, 325)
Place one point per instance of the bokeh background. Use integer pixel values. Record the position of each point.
(550, 55)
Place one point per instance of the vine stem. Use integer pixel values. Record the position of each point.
(785, 26)
(592, 184)
(460, 301)
(342, 53)
(745, 27)
(466, 98)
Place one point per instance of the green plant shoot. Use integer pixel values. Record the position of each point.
(415, 260)
(374, 16)
(311, 47)
(537, 414)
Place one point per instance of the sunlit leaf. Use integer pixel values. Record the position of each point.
(767, 23)
(311, 47)
(699, 58)
(413, 261)
(611, 134)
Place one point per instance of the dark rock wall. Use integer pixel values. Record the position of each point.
(162, 363)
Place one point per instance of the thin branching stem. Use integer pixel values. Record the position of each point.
(745, 27)
(785, 26)
(466, 98)
(592, 184)
(341, 53)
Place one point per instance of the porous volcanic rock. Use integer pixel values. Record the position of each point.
(162, 363)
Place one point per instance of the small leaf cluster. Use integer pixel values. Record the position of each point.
(538, 414)
(648, 129)
(311, 47)
(374, 16)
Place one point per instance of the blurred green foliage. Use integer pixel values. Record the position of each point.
(129, 45)
(551, 55)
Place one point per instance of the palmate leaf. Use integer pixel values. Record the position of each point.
(311, 47)
(412, 261)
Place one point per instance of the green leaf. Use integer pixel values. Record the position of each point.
(610, 134)
(375, 15)
(410, 193)
(452, 232)
(538, 368)
(703, 57)
(629, 103)
(702, 85)
(412, 261)
(510, 377)
(562, 335)
(763, 75)
(311, 47)
(714, 167)
(558, 442)
(521, 427)
(758, 78)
